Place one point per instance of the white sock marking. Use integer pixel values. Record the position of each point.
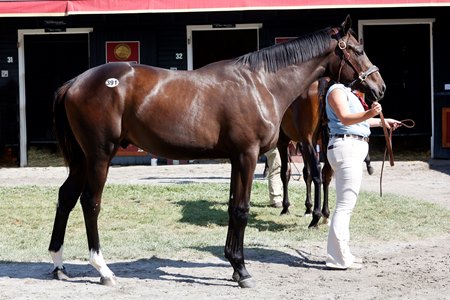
(97, 261)
(57, 258)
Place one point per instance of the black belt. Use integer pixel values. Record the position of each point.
(352, 136)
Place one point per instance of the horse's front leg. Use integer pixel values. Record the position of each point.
(91, 203)
(238, 211)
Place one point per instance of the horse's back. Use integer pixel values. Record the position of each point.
(111, 78)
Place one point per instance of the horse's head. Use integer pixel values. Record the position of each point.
(351, 66)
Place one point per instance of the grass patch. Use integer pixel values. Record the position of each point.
(190, 220)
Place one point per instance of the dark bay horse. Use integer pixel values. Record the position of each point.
(229, 109)
(305, 122)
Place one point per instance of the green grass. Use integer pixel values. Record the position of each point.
(190, 220)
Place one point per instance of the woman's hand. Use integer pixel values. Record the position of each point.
(392, 123)
(375, 109)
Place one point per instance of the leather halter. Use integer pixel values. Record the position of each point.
(361, 78)
(346, 58)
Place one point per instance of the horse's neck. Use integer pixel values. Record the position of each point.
(289, 83)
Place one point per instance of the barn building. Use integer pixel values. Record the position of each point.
(45, 43)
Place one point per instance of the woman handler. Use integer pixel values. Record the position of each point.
(349, 124)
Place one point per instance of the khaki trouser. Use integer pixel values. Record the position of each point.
(274, 179)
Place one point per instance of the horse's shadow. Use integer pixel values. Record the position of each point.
(212, 212)
(163, 269)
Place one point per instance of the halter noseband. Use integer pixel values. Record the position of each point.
(362, 76)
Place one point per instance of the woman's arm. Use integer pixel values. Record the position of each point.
(338, 102)
(391, 123)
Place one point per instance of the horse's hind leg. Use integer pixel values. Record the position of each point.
(97, 171)
(68, 195)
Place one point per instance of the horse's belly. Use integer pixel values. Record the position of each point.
(176, 144)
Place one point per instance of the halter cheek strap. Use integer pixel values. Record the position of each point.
(346, 58)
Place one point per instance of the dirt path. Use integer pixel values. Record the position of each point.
(394, 270)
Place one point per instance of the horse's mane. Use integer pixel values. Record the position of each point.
(288, 53)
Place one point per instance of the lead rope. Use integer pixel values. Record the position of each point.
(388, 147)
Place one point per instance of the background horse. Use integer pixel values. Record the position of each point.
(305, 122)
(229, 109)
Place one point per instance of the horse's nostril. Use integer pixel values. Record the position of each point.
(382, 91)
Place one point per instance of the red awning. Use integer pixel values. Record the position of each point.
(81, 7)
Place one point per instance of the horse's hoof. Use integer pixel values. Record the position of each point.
(108, 281)
(247, 283)
(314, 224)
(326, 221)
(235, 276)
(370, 170)
(285, 212)
(60, 274)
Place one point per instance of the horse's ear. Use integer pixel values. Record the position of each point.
(347, 24)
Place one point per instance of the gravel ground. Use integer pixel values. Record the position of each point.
(417, 269)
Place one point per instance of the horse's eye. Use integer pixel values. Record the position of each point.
(359, 50)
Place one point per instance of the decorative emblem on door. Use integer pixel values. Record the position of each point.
(122, 51)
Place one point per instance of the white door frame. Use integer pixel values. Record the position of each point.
(191, 28)
(22, 94)
(393, 22)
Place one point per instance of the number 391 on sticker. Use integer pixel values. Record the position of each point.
(112, 82)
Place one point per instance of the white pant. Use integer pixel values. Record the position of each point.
(274, 179)
(345, 156)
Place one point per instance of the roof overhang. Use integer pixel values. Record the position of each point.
(38, 8)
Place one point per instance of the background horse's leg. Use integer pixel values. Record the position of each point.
(266, 169)
(308, 181)
(242, 170)
(313, 163)
(283, 145)
(327, 174)
(68, 195)
(97, 170)
(369, 167)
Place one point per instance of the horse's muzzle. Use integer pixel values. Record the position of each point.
(375, 93)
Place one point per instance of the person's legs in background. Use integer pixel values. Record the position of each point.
(274, 179)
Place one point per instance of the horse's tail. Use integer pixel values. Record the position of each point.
(68, 144)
